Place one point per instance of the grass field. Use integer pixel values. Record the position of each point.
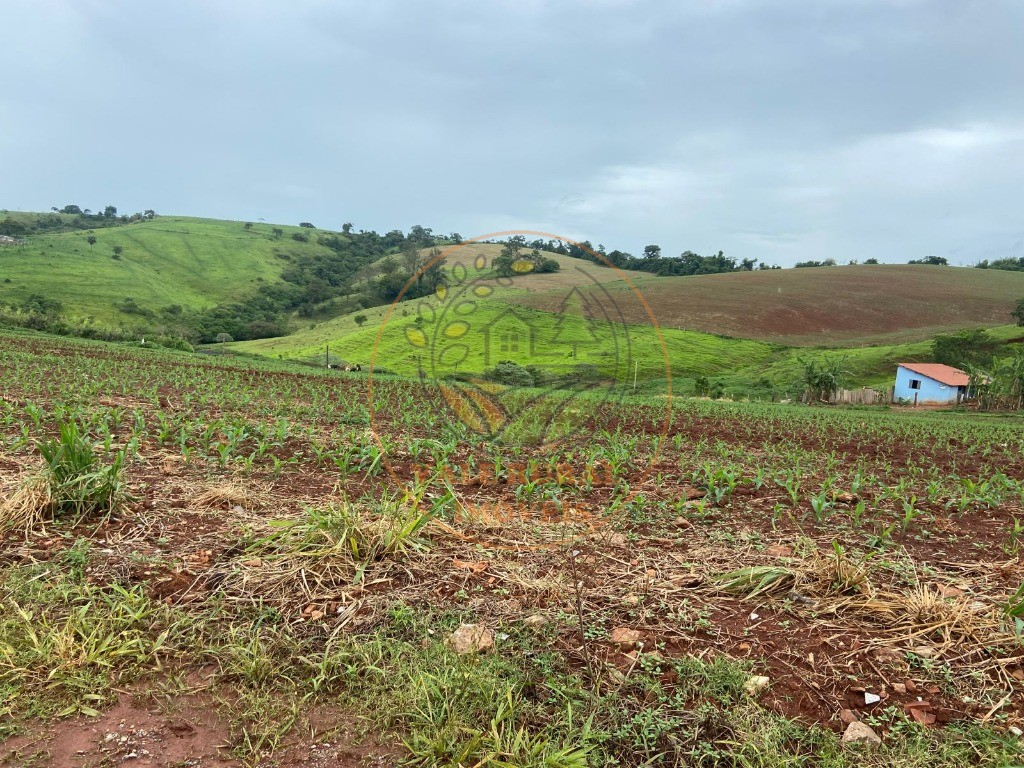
(210, 561)
(616, 349)
(191, 262)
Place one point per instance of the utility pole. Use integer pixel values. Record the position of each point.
(327, 357)
(636, 365)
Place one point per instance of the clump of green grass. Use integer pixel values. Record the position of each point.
(390, 528)
(73, 482)
(757, 580)
(80, 485)
(65, 643)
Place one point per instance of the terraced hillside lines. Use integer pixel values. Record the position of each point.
(195, 263)
(823, 306)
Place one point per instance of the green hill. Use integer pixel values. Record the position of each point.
(169, 260)
(202, 277)
(836, 306)
(746, 330)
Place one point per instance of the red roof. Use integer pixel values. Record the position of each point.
(944, 374)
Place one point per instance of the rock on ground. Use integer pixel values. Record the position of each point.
(858, 733)
(471, 638)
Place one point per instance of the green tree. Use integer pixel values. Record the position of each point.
(1018, 313)
(360, 320)
(91, 240)
(966, 349)
(118, 250)
(277, 232)
(821, 378)
(222, 339)
(512, 262)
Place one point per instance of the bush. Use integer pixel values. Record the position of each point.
(511, 374)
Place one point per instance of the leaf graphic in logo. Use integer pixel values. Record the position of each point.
(474, 409)
(456, 329)
(522, 266)
(415, 336)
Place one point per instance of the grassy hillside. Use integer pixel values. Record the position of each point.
(741, 328)
(170, 260)
(848, 306)
(395, 339)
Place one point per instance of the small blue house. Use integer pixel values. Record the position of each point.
(930, 384)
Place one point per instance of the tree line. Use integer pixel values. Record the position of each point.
(70, 218)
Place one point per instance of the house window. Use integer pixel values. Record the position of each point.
(510, 342)
(915, 383)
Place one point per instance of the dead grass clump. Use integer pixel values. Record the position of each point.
(232, 494)
(29, 505)
(835, 574)
(949, 623)
(326, 552)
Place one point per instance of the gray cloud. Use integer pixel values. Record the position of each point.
(778, 131)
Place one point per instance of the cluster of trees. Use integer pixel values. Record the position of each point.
(687, 263)
(512, 260)
(342, 277)
(1008, 264)
(40, 313)
(338, 275)
(821, 378)
(996, 383)
(704, 387)
(966, 350)
(68, 219)
(935, 261)
(1002, 387)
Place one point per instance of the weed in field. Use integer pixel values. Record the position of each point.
(79, 484)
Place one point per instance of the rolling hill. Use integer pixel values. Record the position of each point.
(435, 336)
(741, 327)
(831, 306)
(169, 260)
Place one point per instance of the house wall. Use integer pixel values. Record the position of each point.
(931, 391)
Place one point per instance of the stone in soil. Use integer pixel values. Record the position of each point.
(471, 638)
(858, 733)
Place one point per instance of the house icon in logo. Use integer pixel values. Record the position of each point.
(508, 336)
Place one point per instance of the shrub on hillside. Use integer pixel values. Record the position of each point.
(510, 374)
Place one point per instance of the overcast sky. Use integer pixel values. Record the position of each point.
(775, 130)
